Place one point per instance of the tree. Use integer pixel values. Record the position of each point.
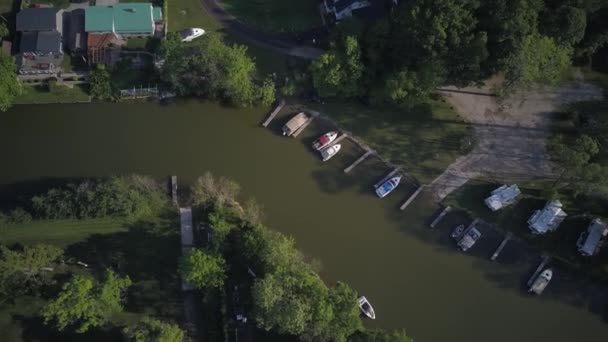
(22, 270)
(85, 303)
(203, 269)
(10, 87)
(101, 87)
(408, 88)
(221, 191)
(338, 72)
(267, 92)
(153, 330)
(209, 68)
(539, 60)
(566, 25)
(4, 32)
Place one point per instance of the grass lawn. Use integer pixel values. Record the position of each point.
(41, 95)
(424, 140)
(276, 15)
(561, 244)
(190, 13)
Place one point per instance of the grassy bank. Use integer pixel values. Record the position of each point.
(561, 244)
(41, 95)
(276, 15)
(424, 140)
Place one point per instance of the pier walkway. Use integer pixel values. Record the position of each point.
(441, 215)
(540, 268)
(274, 113)
(358, 161)
(501, 246)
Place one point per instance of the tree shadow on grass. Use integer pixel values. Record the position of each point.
(35, 330)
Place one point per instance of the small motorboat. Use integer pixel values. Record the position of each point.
(388, 186)
(541, 282)
(324, 140)
(458, 231)
(189, 34)
(366, 307)
(469, 238)
(331, 151)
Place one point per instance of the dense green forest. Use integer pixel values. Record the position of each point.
(424, 44)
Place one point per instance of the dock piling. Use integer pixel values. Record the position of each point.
(274, 113)
(358, 161)
(501, 246)
(440, 216)
(390, 174)
(412, 198)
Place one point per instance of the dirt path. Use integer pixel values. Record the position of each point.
(510, 138)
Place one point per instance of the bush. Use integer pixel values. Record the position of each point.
(19, 216)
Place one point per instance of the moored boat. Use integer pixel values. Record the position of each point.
(457, 232)
(541, 282)
(331, 151)
(325, 140)
(294, 123)
(388, 186)
(366, 307)
(469, 238)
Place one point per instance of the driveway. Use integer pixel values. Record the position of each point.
(511, 136)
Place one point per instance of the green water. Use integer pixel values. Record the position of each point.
(413, 276)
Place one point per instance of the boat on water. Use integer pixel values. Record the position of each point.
(457, 232)
(541, 282)
(366, 307)
(331, 151)
(325, 140)
(469, 238)
(294, 123)
(388, 186)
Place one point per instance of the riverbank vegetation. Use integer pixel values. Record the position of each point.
(10, 87)
(42, 94)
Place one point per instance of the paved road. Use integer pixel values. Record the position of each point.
(289, 44)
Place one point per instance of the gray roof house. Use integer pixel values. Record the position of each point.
(40, 48)
(590, 241)
(502, 197)
(548, 219)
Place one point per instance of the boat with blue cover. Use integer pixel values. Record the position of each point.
(388, 186)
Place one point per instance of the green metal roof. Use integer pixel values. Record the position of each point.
(122, 18)
(157, 14)
(98, 19)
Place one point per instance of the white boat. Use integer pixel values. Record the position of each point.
(331, 151)
(190, 34)
(325, 140)
(366, 307)
(541, 282)
(469, 238)
(388, 186)
(458, 231)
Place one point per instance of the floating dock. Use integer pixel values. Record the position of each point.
(174, 190)
(274, 113)
(390, 174)
(304, 125)
(501, 246)
(543, 263)
(358, 161)
(412, 198)
(441, 215)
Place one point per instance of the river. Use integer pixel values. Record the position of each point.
(413, 276)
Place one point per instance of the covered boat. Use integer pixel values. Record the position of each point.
(331, 151)
(366, 307)
(457, 232)
(325, 140)
(469, 238)
(296, 122)
(541, 282)
(388, 186)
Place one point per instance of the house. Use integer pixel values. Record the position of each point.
(103, 48)
(75, 39)
(41, 42)
(590, 241)
(502, 197)
(339, 10)
(547, 219)
(126, 20)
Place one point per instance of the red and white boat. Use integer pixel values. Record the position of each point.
(324, 140)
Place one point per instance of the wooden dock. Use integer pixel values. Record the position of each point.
(412, 198)
(358, 161)
(390, 174)
(340, 138)
(274, 113)
(174, 190)
(501, 246)
(304, 125)
(543, 263)
(473, 224)
(441, 215)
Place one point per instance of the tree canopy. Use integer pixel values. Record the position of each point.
(86, 303)
(10, 87)
(338, 72)
(203, 269)
(153, 330)
(101, 87)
